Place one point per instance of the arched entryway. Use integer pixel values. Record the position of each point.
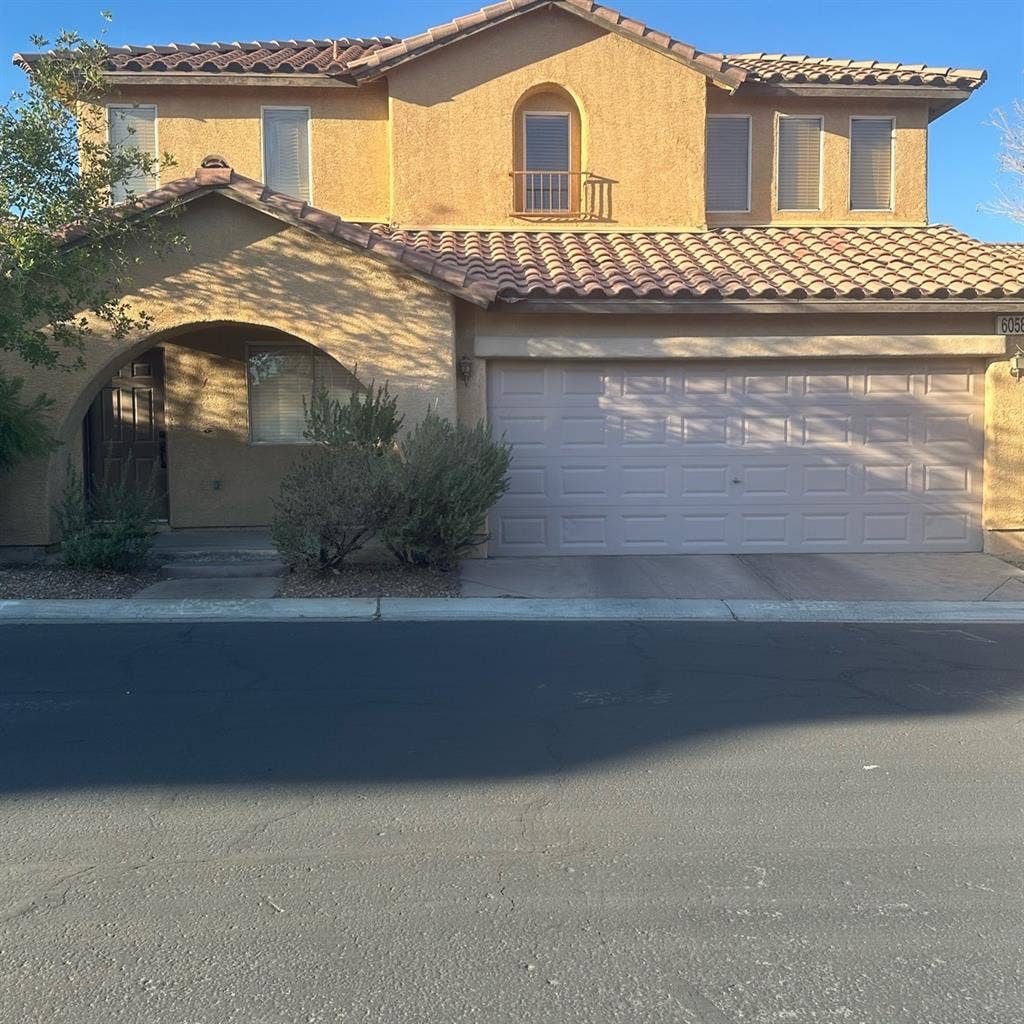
(210, 417)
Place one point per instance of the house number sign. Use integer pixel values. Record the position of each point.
(1010, 323)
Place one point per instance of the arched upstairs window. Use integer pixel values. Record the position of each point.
(547, 144)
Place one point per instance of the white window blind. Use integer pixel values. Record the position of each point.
(281, 382)
(871, 163)
(547, 142)
(799, 168)
(133, 128)
(286, 150)
(546, 182)
(728, 164)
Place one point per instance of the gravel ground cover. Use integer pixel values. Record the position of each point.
(372, 581)
(49, 582)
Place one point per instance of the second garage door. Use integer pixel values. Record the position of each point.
(633, 457)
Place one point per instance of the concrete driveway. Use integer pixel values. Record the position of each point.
(916, 577)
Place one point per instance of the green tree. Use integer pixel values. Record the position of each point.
(66, 255)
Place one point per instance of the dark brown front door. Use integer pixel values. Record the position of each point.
(125, 427)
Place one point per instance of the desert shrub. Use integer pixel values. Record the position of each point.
(369, 419)
(335, 497)
(332, 501)
(111, 529)
(24, 431)
(448, 477)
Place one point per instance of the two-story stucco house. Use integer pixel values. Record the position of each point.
(698, 292)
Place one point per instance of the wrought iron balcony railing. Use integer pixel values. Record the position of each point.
(548, 193)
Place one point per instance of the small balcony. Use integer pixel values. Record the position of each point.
(560, 195)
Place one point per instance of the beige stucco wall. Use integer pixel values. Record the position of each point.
(433, 145)
(215, 476)
(735, 335)
(1004, 461)
(348, 136)
(245, 268)
(910, 201)
(452, 124)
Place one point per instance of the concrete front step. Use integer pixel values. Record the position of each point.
(222, 570)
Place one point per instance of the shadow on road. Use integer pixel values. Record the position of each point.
(87, 706)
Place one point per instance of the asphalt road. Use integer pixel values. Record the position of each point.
(697, 823)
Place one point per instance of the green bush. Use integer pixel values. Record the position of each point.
(24, 432)
(111, 530)
(332, 501)
(369, 419)
(335, 497)
(448, 477)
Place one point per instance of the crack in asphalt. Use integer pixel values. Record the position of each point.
(26, 906)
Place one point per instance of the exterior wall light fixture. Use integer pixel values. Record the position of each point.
(464, 369)
(1017, 364)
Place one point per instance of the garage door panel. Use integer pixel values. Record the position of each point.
(617, 458)
(650, 529)
(806, 478)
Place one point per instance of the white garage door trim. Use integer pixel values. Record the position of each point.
(639, 457)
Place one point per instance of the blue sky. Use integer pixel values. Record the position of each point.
(963, 33)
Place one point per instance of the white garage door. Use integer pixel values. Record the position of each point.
(636, 457)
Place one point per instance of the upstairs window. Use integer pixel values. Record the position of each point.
(799, 163)
(133, 128)
(546, 145)
(871, 151)
(286, 151)
(282, 379)
(728, 164)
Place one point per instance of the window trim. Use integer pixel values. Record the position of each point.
(283, 343)
(156, 134)
(309, 141)
(750, 157)
(892, 164)
(820, 118)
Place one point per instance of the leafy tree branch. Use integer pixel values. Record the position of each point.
(59, 170)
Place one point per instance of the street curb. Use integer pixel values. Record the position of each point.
(356, 609)
(542, 609)
(877, 611)
(497, 609)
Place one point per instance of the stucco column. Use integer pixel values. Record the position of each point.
(1004, 461)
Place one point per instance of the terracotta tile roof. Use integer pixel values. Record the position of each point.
(216, 175)
(379, 61)
(785, 68)
(367, 58)
(730, 263)
(724, 263)
(278, 57)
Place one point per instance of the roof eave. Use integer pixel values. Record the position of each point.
(221, 180)
(482, 296)
(366, 69)
(730, 79)
(734, 307)
(276, 79)
(940, 98)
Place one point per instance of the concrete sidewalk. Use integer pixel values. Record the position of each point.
(915, 577)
